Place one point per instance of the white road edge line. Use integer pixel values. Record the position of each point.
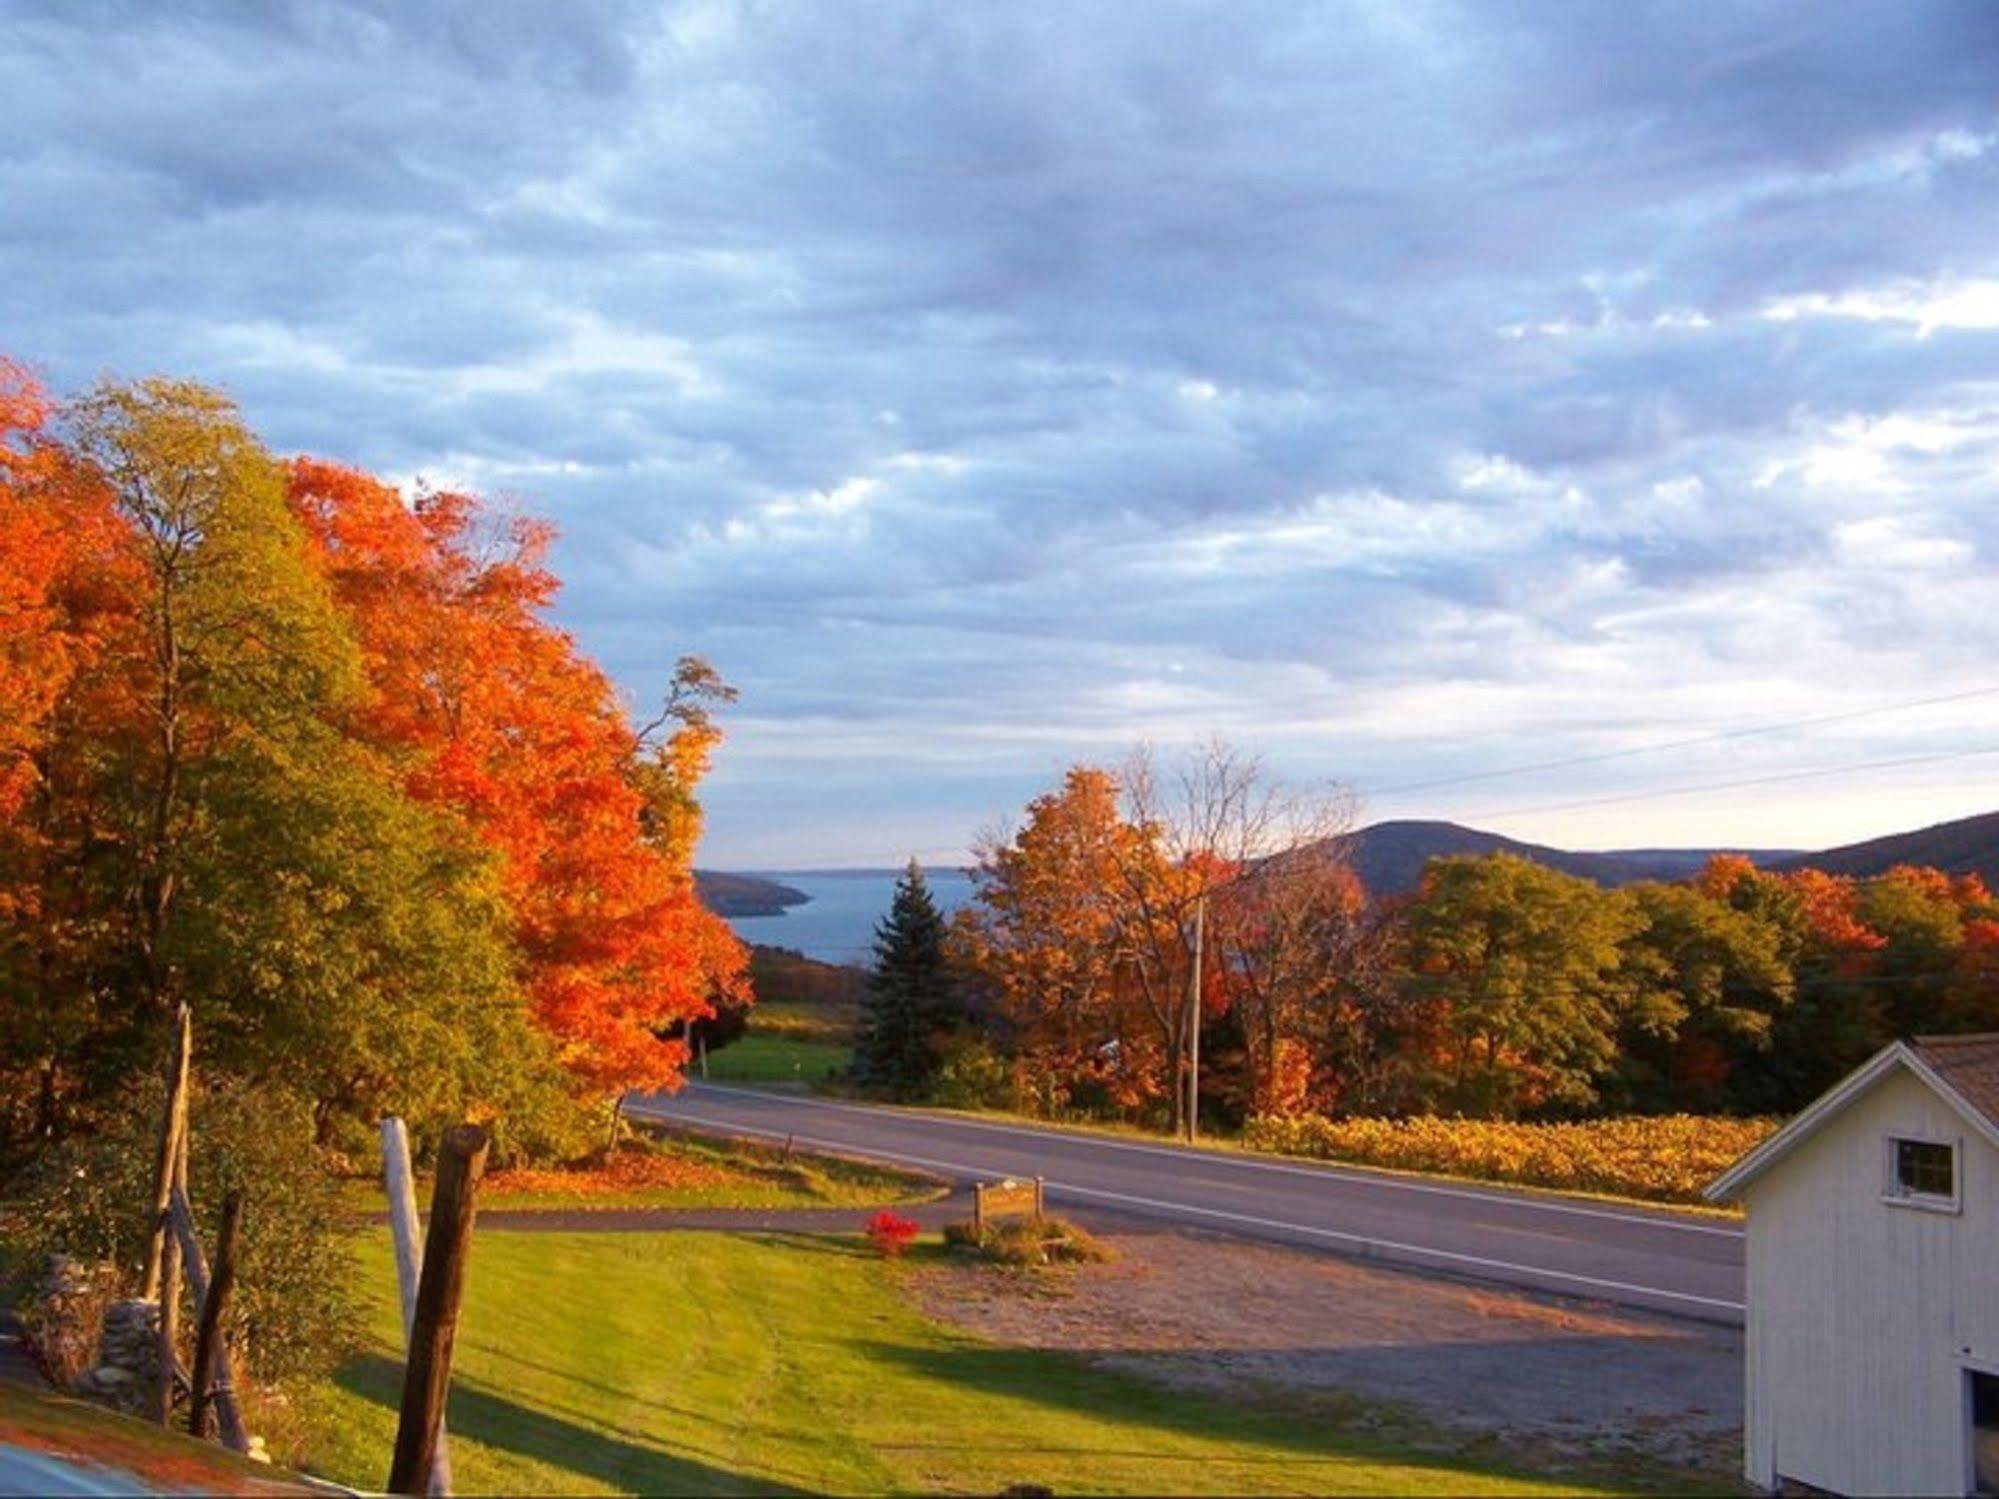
(1498, 1196)
(1360, 1241)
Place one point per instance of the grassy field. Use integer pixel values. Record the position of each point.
(777, 1057)
(703, 1363)
(830, 1023)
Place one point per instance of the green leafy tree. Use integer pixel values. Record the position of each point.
(237, 641)
(1706, 983)
(1521, 963)
(911, 1003)
(213, 830)
(296, 1311)
(1920, 916)
(355, 946)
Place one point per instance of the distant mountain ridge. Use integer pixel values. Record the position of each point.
(1389, 856)
(1968, 845)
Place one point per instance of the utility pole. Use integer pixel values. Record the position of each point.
(1194, 1022)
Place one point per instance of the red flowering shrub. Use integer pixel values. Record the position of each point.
(890, 1233)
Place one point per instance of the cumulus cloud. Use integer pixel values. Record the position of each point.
(1410, 388)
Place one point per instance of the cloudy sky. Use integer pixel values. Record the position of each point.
(1411, 390)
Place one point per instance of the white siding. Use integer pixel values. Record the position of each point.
(1863, 1315)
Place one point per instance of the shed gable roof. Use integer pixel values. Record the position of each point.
(1969, 1064)
(1961, 1070)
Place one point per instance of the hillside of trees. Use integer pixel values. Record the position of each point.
(1498, 988)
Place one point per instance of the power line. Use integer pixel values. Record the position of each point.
(948, 855)
(1672, 744)
(1770, 780)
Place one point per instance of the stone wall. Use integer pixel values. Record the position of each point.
(127, 1371)
(63, 1317)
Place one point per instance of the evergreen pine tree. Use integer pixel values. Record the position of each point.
(910, 1001)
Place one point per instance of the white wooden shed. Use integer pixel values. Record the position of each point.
(1873, 1279)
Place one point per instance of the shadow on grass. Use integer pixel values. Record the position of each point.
(1300, 1428)
(1045, 1378)
(1291, 1437)
(845, 1246)
(492, 1420)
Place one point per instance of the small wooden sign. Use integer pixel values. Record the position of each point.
(1006, 1199)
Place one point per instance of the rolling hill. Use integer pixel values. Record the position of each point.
(1389, 856)
(1969, 845)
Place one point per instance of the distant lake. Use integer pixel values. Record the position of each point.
(838, 924)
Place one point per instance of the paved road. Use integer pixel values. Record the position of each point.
(1656, 1259)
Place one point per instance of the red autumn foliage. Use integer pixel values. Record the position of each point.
(890, 1233)
(60, 578)
(494, 712)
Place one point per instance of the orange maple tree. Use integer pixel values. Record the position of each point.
(492, 711)
(59, 578)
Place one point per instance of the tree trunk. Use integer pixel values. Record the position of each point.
(156, 880)
(45, 1103)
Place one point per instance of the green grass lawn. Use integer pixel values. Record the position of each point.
(694, 1363)
(777, 1058)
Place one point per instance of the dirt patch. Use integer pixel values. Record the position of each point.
(1573, 1381)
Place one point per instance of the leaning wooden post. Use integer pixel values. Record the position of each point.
(461, 1161)
(399, 1182)
(228, 1414)
(214, 1305)
(173, 1121)
(169, 1323)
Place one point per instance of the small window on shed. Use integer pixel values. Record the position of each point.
(1922, 1170)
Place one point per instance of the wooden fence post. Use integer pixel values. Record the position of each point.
(461, 1161)
(208, 1332)
(979, 1211)
(169, 1323)
(173, 1122)
(228, 1415)
(1040, 1199)
(399, 1183)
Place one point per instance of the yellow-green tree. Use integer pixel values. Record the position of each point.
(1522, 964)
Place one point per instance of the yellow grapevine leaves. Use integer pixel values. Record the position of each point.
(1668, 1158)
